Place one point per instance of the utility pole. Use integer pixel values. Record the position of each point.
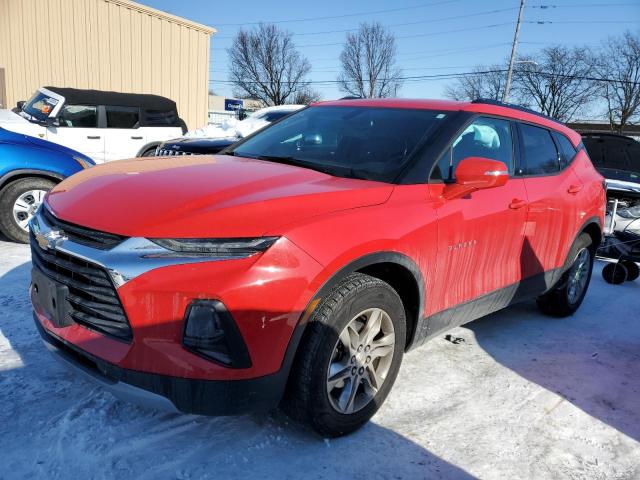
(512, 61)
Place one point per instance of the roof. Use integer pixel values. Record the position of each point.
(164, 15)
(493, 108)
(99, 97)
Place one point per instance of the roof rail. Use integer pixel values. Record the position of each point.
(489, 101)
(351, 97)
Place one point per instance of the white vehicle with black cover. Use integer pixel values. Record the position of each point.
(103, 125)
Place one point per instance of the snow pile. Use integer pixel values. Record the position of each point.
(514, 395)
(234, 128)
(226, 129)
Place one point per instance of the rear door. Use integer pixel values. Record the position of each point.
(123, 136)
(480, 235)
(77, 128)
(552, 191)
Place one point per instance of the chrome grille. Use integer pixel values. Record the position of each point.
(92, 296)
(85, 236)
(165, 152)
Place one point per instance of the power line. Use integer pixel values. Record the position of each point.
(563, 22)
(370, 12)
(420, 56)
(583, 5)
(420, 22)
(456, 75)
(418, 35)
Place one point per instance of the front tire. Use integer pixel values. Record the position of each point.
(348, 358)
(567, 296)
(18, 202)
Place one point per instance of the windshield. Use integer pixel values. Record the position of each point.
(360, 142)
(40, 106)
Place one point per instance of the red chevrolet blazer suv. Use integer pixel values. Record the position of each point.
(297, 267)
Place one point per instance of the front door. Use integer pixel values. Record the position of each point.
(480, 236)
(77, 128)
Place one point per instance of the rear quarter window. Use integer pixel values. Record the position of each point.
(123, 117)
(566, 149)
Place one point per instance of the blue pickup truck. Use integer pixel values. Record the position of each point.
(29, 167)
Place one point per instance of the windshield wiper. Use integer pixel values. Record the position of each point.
(296, 162)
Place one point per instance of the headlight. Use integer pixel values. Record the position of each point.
(83, 163)
(221, 247)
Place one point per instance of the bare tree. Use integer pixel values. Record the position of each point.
(484, 82)
(620, 62)
(555, 81)
(306, 96)
(368, 63)
(265, 64)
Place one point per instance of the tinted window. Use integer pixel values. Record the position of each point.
(616, 157)
(123, 117)
(80, 116)
(540, 154)
(567, 150)
(485, 137)
(158, 118)
(360, 142)
(273, 116)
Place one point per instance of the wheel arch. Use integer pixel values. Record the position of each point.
(593, 228)
(14, 175)
(148, 146)
(395, 268)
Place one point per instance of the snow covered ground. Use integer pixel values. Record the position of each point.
(521, 396)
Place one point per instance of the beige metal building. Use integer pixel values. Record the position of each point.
(113, 45)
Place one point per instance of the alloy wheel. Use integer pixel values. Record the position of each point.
(578, 275)
(25, 207)
(360, 361)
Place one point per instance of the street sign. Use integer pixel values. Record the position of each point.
(232, 104)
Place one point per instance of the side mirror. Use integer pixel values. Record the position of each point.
(20, 104)
(476, 173)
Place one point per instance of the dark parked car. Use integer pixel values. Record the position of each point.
(617, 158)
(194, 146)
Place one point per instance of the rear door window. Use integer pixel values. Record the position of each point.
(539, 151)
(123, 117)
(78, 116)
(566, 149)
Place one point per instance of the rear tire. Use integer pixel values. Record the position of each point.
(17, 193)
(633, 271)
(335, 357)
(567, 295)
(615, 273)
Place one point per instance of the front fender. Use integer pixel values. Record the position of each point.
(19, 160)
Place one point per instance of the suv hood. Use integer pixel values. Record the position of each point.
(207, 197)
(8, 116)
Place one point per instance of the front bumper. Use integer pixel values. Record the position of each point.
(168, 393)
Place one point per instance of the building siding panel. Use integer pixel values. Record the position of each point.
(107, 45)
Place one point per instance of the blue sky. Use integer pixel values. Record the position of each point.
(442, 36)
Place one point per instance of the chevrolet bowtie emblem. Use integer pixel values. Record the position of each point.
(50, 240)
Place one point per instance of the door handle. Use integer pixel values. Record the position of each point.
(517, 203)
(573, 189)
(136, 138)
(93, 137)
